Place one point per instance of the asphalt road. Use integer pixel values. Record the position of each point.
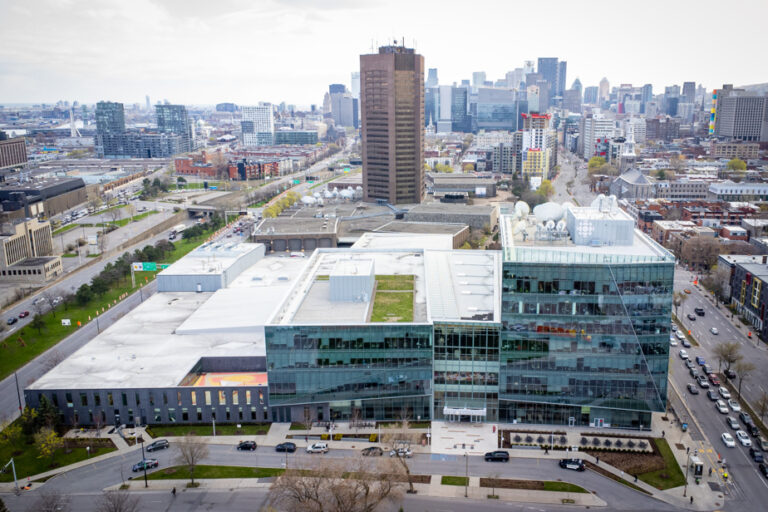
(89, 480)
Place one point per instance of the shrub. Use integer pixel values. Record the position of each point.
(563, 440)
(618, 443)
(540, 439)
(607, 443)
(518, 438)
(584, 441)
(528, 439)
(337, 437)
(630, 444)
(373, 438)
(642, 445)
(325, 437)
(596, 441)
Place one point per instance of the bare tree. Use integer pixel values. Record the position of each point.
(727, 352)
(700, 251)
(52, 360)
(744, 370)
(50, 299)
(336, 486)
(131, 210)
(400, 439)
(118, 501)
(191, 452)
(761, 406)
(679, 299)
(51, 501)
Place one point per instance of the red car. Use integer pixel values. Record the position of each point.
(714, 380)
(24, 314)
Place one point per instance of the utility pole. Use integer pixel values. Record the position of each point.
(466, 473)
(18, 391)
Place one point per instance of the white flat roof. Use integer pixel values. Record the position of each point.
(210, 258)
(404, 241)
(142, 351)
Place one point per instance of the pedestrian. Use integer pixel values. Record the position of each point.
(663, 434)
(691, 499)
(635, 478)
(597, 460)
(710, 471)
(173, 491)
(306, 439)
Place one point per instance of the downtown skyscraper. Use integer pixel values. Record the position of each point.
(392, 107)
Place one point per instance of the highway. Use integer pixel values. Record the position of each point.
(89, 480)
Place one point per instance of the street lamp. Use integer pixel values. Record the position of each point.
(140, 440)
(466, 473)
(687, 468)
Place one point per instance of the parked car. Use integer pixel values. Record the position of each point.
(712, 395)
(734, 405)
(720, 406)
(684, 342)
(683, 354)
(694, 373)
(497, 456)
(574, 464)
(699, 311)
(692, 389)
(680, 335)
(145, 464)
(756, 454)
(762, 442)
(753, 430)
(402, 452)
(707, 369)
(687, 291)
(12, 320)
(373, 451)
(286, 447)
(714, 331)
(728, 440)
(743, 438)
(724, 392)
(24, 314)
(672, 341)
(714, 380)
(730, 374)
(700, 361)
(674, 328)
(691, 317)
(703, 382)
(689, 364)
(160, 444)
(733, 423)
(763, 469)
(321, 447)
(247, 445)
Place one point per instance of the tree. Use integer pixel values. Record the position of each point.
(191, 452)
(761, 406)
(118, 501)
(679, 299)
(546, 189)
(48, 442)
(84, 294)
(700, 251)
(727, 352)
(736, 164)
(51, 501)
(11, 435)
(400, 437)
(661, 174)
(443, 168)
(29, 420)
(3, 508)
(594, 164)
(99, 286)
(744, 370)
(37, 323)
(48, 416)
(50, 299)
(52, 360)
(336, 486)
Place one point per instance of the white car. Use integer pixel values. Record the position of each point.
(401, 452)
(714, 331)
(672, 341)
(321, 447)
(683, 354)
(743, 438)
(724, 392)
(728, 440)
(720, 406)
(734, 405)
(679, 335)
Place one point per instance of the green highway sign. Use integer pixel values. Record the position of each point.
(148, 266)
(296, 182)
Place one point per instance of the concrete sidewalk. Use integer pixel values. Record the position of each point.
(434, 488)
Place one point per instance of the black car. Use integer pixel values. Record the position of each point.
(752, 429)
(497, 456)
(694, 373)
(730, 374)
(160, 444)
(247, 445)
(691, 317)
(574, 464)
(145, 464)
(746, 418)
(699, 311)
(372, 451)
(12, 320)
(756, 454)
(285, 447)
(712, 395)
(693, 389)
(763, 469)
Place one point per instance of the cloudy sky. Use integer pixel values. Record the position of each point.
(245, 51)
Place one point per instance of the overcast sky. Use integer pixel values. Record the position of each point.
(245, 51)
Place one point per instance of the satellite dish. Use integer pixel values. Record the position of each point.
(561, 225)
(550, 225)
(522, 209)
(548, 211)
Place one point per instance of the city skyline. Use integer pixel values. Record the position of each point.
(199, 53)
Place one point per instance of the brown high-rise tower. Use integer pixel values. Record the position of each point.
(392, 106)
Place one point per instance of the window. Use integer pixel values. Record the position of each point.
(199, 414)
(158, 419)
(178, 397)
(756, 286)
(110, 401)
(207, 398)
(172, 415)
(83, 399)
(97, 400)
(125, 399)
(68, 397)
(235, 398)
(138, 399)
(222, 397)
(193, 396)
(248, 396)
(184, 414)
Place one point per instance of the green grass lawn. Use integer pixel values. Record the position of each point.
(257, 205)
(112, 208)
(182, 472)
(21, 346)
(28, 463)
(396, 306)
(65, 229)
(193, 186)
(399, 282)
(669, 477)
(253, 429)
(454, 480)
(562, 487)
(127, 220)
(69, 255)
